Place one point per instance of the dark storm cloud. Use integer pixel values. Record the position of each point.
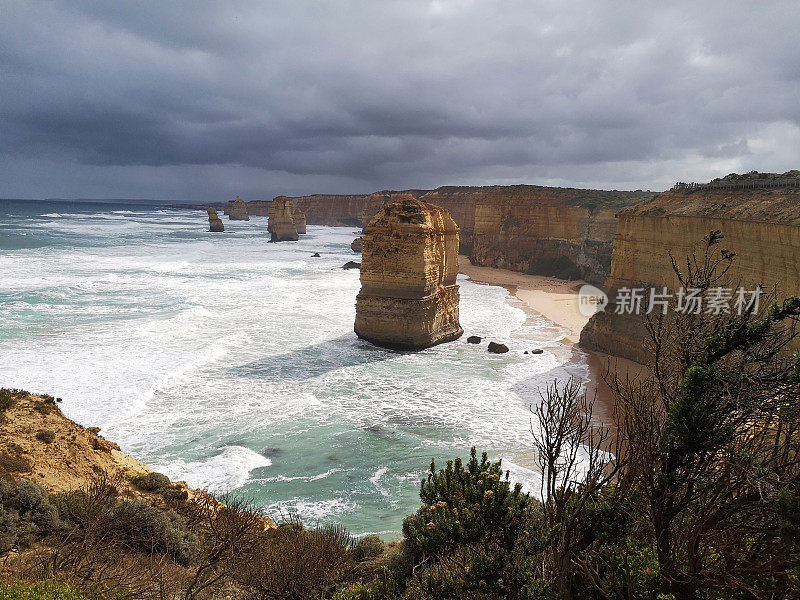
(204, 98)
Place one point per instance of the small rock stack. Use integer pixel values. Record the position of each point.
(214, 222)
(237, 210)
(409, 297)
(281, 224)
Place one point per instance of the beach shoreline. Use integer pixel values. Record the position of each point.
(557, 301)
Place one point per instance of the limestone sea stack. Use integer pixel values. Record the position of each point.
(280, 224)
(214, 222)
(237, 210)
(299, 218)
(409, 263)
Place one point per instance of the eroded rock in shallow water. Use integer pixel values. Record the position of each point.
(496, 348)
(281, 224)
(409, 263)
(214, 222)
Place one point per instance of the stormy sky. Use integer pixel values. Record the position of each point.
(205, 100)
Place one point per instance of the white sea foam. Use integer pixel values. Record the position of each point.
(219, 473)
(179, 344)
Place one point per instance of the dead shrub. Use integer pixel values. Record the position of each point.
(46, 435)
(294, 563)
(14, 463)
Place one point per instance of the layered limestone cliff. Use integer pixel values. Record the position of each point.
(214, 222)
(281, 224)
(258, 208)
(551, 231)
(237, 210)
(762, 226)
(341, 210)
(409, 297)
(561, 232)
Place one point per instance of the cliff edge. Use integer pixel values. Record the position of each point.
(762, 226)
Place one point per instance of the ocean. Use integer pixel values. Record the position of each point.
(231, 363)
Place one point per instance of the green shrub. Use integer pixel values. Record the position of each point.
(26, 514)
(368, 546)
(151, 482)
(465, 505)
(46, 590)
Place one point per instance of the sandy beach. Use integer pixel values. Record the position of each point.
(557, 301)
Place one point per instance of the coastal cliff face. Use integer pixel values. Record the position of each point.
(237, 210)
(340, 210)
(214, 222)
(409, 297)
(761, 226)
(281, 224)
(561, 232)
(258, 208)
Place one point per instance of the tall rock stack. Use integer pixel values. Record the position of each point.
(214, 222)
(280, 224)
(299, 218)
(237, 210)
(409, 297)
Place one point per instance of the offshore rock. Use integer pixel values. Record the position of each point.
(357, 244)
(298, 216)
(214, 222)
(496, 348)
(281, 225)
(351, 264)
(409, 297)
(474, 339)
(237, 210)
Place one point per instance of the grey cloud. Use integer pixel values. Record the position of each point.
(353, 96)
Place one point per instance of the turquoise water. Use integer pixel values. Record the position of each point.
(230, 363)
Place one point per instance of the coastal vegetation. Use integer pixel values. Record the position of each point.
(692, 493)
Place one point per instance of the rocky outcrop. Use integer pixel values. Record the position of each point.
(281, 225)
(409, 297)
(761, 225)
(357, 244)
(214, 222)
(237, 210)
(299, 218)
